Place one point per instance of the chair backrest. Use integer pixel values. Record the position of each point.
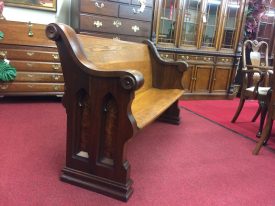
(255, 53)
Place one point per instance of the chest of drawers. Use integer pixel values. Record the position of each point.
(119, 19)
(35, 58)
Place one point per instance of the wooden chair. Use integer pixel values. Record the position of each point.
(270, 117)
(255, 79)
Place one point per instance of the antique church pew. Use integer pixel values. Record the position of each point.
(113, 89)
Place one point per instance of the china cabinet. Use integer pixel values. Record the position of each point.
(205, 33)
(266, 29)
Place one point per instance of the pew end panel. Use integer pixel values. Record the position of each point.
(111, 92)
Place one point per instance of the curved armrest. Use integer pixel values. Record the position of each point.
(71, 51)
(181, 65)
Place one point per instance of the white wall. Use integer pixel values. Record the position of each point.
(40, 16)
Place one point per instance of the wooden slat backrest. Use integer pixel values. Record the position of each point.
(115, 54)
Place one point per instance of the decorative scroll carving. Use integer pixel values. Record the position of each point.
(110, 121)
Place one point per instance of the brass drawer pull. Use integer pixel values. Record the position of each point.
(56, 77)
(56, 66)
(55, 56)
(3, 87)
(30, 53)
(99, 6)
(117, 23)
(98, 24)
(56, 87)
(135, 28)
(30, 33)
(29, 64)
(30, 85)
(30, 75)
(3, 53)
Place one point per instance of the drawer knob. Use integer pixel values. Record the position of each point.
(30, 85)
(56, 66)
(30, 75)
(101, 5)
(55, 56)
(5, 86)
(98, 24)
(135, 28)
(117, 23)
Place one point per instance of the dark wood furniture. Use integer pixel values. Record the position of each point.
(35, 58)
(270, 117)
(119, 19)
(255, 79)
(113, 90)
(205, 34)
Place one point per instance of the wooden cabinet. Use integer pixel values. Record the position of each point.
(120, 19)
(35, 58)
(206, 35)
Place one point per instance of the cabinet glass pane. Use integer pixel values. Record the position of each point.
(230, 27)
(190, 22)
(210, 20)
(167, 23)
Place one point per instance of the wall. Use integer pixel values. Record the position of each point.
(40, 16)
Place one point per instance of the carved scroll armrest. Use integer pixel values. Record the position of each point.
(166, 74)
(71, 53)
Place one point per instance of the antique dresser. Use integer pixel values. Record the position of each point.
(34, 57)
(122, 19)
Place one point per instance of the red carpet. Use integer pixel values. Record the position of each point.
(222, 111)
(198, 163)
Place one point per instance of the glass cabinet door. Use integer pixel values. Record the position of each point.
(231, 24)
(191, 16)
(210, 21)
(166, 28)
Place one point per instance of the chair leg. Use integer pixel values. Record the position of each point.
(264, 137)
(257, 114)
(263, 108)
(239, 109)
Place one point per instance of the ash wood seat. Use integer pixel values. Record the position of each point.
(113, 89)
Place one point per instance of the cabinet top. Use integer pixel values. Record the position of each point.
(24, 33)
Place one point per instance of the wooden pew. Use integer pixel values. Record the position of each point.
(113, 89)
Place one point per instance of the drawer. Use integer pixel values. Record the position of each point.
(196, 58)
(117, 36)
(115, 26)
(38, 77)
(18, 33)
(32, 66)
(167, 56)
(20, 54)
(147, 3)
(126, 11)
(225, 60)
(31, 87)
(99, 7)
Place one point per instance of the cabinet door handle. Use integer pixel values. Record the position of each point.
(99, 6)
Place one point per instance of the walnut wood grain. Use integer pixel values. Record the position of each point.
(113, 90)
